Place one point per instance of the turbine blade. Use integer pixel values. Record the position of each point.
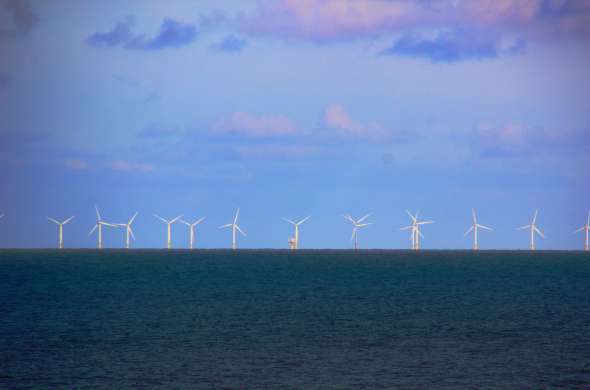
(411, 216)
(198, 221)
(132, 218)
(68, 220)
(406, 228)
(535, 217)
(539, 231)
(288, 220)
(580, 229)
(347, 216)
(237, 214)
(468, 231)
(111, 224)
(474, 217)
(177, 218)
(424, 222)
(131, 232)
(97, 212)
(226, 225)
(93, 229)
(484, 227)
(184, 222)
(160, 218)
(364, 224)
(303, 220)
(363, 218)
(523, 227)
(420, 233)
(240, 230)
(53, 220)
(353, 233)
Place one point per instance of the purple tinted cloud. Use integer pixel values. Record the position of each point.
(172, 34)
(453, 46)
(230, 44)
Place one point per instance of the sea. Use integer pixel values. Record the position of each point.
(277, 319)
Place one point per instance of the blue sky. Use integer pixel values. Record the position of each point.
(292, 108)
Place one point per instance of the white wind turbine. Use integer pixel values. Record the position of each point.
(474, 228)
(295, 244)
(61, 225)
(191, 227)
(234, 226)
(168, 223)
(534, 229)
(128, 230)
(357, 224)
(586, 229)
(415, 229)
(99, 225)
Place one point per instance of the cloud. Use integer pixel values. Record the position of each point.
(172, 34)
(514, 139)
(453, 46)
(485, 25)
(324, 21)
(243, 123)
(76, 164)
(23, 17)
(127, 166)
(230, 44)
(337, 119)
(119, 35)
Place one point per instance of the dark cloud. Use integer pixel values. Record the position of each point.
(230, 44)
(23, 17)
(119, 35)
(452, 47)
(172, 34)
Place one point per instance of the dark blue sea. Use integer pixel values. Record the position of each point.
(276, 319)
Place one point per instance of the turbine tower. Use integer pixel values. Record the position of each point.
(168, 223)
(128, 230)
(191, 227)
(99, 224)
(234, 226)
(61, 225)
(534, 229)
(415, 233)
(357, 224)
(586, 229)
(295, 242)
(474, 228)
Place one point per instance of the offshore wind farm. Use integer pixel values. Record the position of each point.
(307, 194)
(293, 242)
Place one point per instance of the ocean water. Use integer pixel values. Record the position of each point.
(279, 319)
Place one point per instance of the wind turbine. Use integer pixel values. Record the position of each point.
(128, 230)
(474, 228)
(168, 223)
(534, 229)
(295, 242)
(357, 224)
(586, 229)
(61, 225)
(99, 225)
(234, 226)
(415, 229)
(191, 227)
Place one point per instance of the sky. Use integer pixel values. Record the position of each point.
(291, 108)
